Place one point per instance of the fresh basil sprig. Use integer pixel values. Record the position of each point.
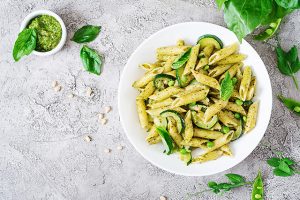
(226, 87)
(288, 62)
(86, 34)
(291, 104)
(25, 43)
(282, 166)
(91, 60)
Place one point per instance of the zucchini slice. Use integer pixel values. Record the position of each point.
(166, 139)
(179, 120)
(197, 107)
(162, 81)
(239, 131)
(186, 155)
(160, 122)
(183, 80)
(209, 39)
(198, 120)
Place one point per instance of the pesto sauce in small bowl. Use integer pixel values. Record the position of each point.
(49, 32)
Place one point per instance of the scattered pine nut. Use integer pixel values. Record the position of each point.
(103, 121)
(101, 116)
(89, 91)
(57, 88)
(71, 95)
(54, 84)
(107, 109)
(106, 150)
(87, 138)
(119, 147)
(162, 198)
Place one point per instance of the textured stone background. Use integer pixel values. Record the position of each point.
(42, 151)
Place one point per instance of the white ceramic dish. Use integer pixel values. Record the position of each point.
(190, 32)
(34, 14)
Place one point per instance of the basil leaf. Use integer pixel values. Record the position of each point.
(288, 62)
(182, 59)
(91, 60)
(212, 184)
(25, 43)
(166, 139)
(220, 3)
(86, 34)
(226, 87)
(288, 4)
(290, 103)
(284, 167)
(274, 162)
(235, 178)
(288, 161)
(237, 15)
(278, 172)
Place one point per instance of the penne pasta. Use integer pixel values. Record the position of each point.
(174, 132)
(252, 89)
(227, 118)
(232, 71)
(153, 136)
(232, 59)
(190, 65)
(207, 134)
(148, 91)
(245, 83)
(206, 80)
(188, 131)
(159, 104)
(214, 109)
(213, 155)
(141, 108)
(194, 142)
(166, 93)
(149, 76)
(251, 117)
(219, 70)
(172, 50)
(190, 98)
(235, 108)
(223, 53)
(225, 139)
(157, 111)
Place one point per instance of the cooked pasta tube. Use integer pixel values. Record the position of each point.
(206, 80)
(190, 98)
(244, 87)
(251, 117)
(174, 132)
(207, 134)
(149, 76)
(223, 53)
(188, 131)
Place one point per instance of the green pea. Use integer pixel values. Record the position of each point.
(257, 188)
(193, 104)
(206, 67)
(257, 196)
(225, 129)
(184, 78)
(244, 118)
(297, 109)
(269, 31)
(234, 80)
(239, 102)
(171, 83)
(210, 144)
(183, 151)
(237, 115)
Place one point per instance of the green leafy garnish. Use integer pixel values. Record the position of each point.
(166, 139)
(226, 87)
(182, 59)
(86, 34)
(91, 60)
(288, 62)
(220, 3)
(25, 43)
(291, 104)
(282, 166)
(288, 4)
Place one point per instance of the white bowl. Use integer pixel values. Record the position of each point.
(34, 14)
(190, 32)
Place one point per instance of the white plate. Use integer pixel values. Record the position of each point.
(190, 32)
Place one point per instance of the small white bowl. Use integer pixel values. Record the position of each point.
(34, 14)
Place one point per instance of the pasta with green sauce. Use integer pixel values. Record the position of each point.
(197, 97)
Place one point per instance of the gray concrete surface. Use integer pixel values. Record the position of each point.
(43, 154)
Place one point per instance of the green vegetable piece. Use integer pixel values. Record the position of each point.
(291, 104)
(237, 115)
(288, 62)
(25, 43)
(210, 144)
(278, 172)
(220, 3)
(239, 102)
(206, 67)
(209, 39)
(171, 83)
(198, 121)
(193, 104)
(234, 80)
(86, 33)
(178, 118)
(91, 60)
(235, 178)
(166, 139)
(226, 87)
(258, 188)
(269, 32)
(297, 109)
(237, 12)
(285, 168)
(288, 4)
(182, 59)
(274, 162)
(288, 161)
(244, 118)
(212, 184)
(186, 156)
(247, 103)
(162, 81)
(225, 129)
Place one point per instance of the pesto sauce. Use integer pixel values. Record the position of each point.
(48, 30)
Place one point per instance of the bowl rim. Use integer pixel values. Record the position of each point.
(268, 82)
(63, 39)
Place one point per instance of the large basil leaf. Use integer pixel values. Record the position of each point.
(243, 16)
(25, 43)
(91, 60)
(288, 4)
(226, 87)
(181, 59)
(86, 34)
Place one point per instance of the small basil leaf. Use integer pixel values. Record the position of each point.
(290, 103)
(182, 59)
(25, 43)
(91, 60)
(284, 167)
(293, 54)
(212, 184)
(274, 162)
(288, 161)
(86, 34)
(235, 178)
(278, 172)
(226, 87)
